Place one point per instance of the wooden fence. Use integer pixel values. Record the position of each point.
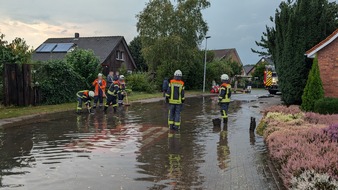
(18, 87)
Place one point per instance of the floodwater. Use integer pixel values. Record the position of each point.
(135, 150)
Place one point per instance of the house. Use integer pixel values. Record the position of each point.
(112, 51)
(250, 69)
(327, 54)
(231, 54)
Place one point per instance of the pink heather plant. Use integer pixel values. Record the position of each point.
(282, 109)
(305, 149)
(332, 132)
(316, 118)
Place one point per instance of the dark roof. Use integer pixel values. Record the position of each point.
(102, 47)
(225, 53)
(266, 59)
(248, 68)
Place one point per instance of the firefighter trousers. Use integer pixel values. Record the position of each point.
(174, 116)
(224, 110)
(111, 100)
(79, 104)
(98, 98)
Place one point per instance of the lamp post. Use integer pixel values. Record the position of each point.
(205, 61)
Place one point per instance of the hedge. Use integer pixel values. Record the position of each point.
(326, 106)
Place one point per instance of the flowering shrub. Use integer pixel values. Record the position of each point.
(304, 149)
(332, 132)
(312, 180)
(301, 142)
(282, 109)
(321, 119)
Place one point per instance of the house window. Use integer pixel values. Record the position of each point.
(122, 55)
(119, 55)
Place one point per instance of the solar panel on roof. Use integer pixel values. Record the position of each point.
(63, 47)
(46, 47)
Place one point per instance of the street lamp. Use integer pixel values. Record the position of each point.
(205, 61)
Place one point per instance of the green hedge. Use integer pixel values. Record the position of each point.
(140, 82)
(59, 82)
(326, 106)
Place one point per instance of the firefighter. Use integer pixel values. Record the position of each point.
(175, 97)
(84, 96)
(100, 86)
(224, 96)
(122, 90)
(112, 93)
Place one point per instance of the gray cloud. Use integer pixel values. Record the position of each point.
(232, 24)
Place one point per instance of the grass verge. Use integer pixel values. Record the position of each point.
(11, 112)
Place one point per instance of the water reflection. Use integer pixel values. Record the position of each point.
(223, 150)
(15, 148)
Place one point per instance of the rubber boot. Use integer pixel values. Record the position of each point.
(115, 109)
(105, 110)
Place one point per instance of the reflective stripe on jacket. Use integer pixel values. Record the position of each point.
(224, 93)
(113, 88)
(83, 94)
(175, 92)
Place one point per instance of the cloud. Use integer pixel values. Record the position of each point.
(235, 24)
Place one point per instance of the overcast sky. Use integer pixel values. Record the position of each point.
(232, 23)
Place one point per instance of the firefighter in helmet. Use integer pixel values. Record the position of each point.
(112, 93)
(175, 97)
(224, 96)
(84, 96)
(122, 91)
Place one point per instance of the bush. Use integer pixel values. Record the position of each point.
(85, 63)
(304, 149)
(313, 180)
(140, 82)
(59, 82)
(316, 118)
(326, 106)
(313, 90)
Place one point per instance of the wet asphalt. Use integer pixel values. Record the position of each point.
(134, 149)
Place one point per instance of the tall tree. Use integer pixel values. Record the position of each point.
(170, 34)
(135, 47)
(298, 26)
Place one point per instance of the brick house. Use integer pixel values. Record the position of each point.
(231, 54)
(327, 54)
(112, 51)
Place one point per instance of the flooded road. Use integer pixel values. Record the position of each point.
(134, 149)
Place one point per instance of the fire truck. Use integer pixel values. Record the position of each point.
(271, 79)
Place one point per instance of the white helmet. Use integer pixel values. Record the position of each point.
(224, 77)
(91, 94)
(121, 77)
(178, 73)
(99, 75)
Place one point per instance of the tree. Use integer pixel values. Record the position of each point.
(218, 67)
(20, 52)
(135, 47)
(314, 88)
(85, 63)
(170, 35)
(258, 74)
(298, 26)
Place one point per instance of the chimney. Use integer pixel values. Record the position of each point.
(77, 35)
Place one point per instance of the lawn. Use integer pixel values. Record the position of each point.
(10, 112)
